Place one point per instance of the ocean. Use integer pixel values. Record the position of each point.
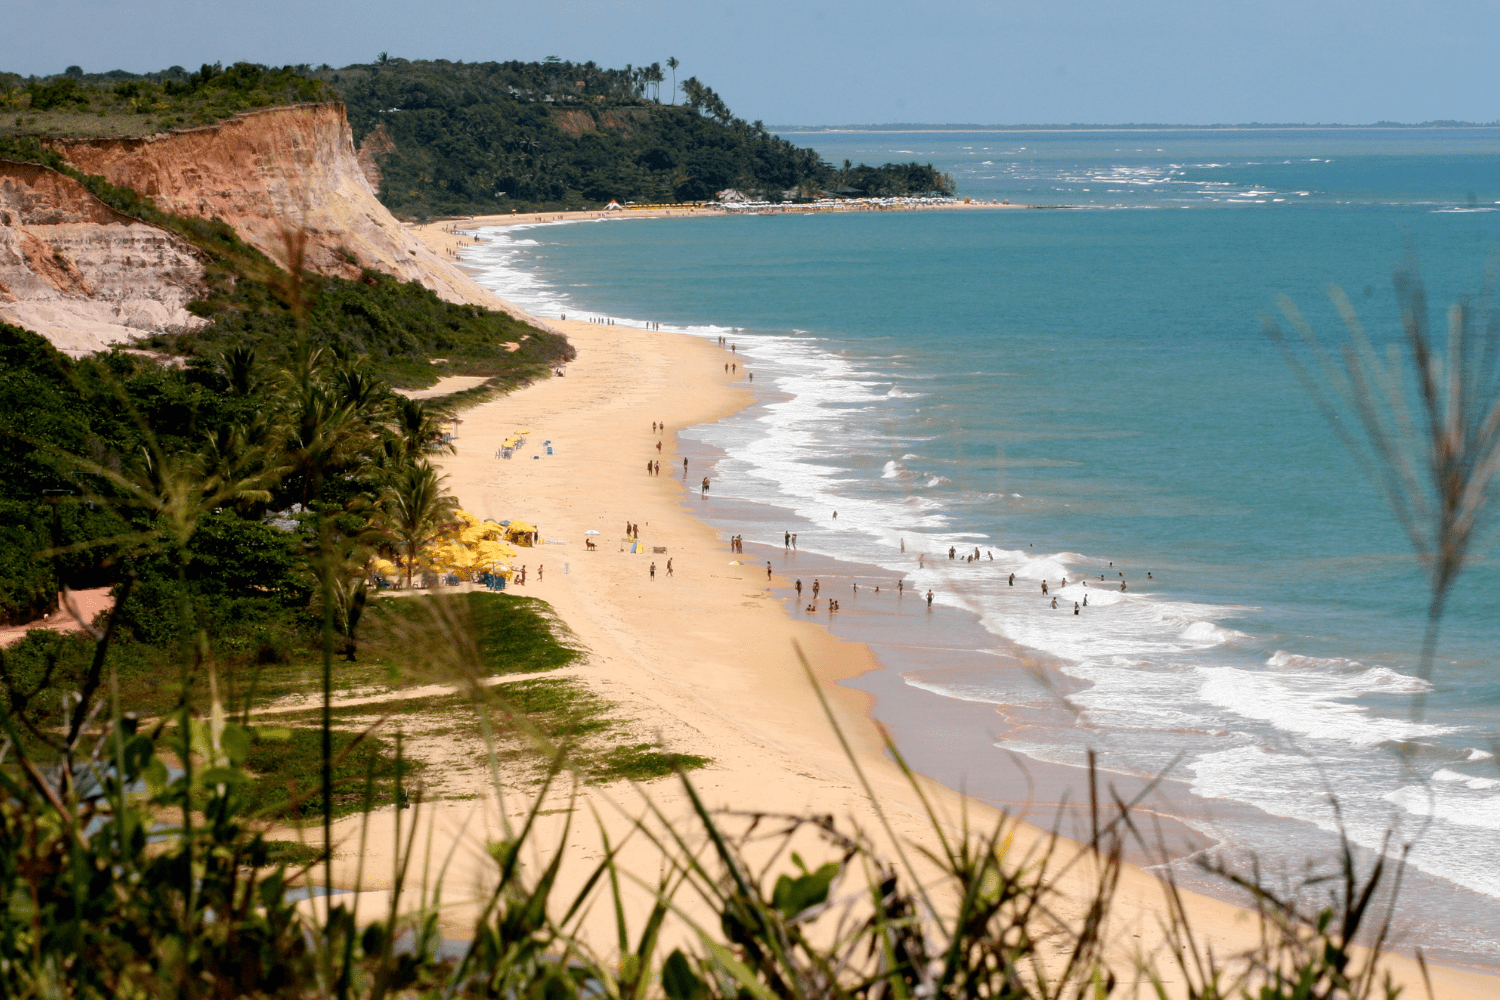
(1086, 393)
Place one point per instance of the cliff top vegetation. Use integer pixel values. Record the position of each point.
(469, 138)
(75, 104)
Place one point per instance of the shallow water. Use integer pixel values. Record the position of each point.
(1088, 394)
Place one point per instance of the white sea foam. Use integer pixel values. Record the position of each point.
(1317, 705)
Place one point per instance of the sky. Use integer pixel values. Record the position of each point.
(812, 62)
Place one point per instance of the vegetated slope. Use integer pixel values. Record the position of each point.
(118, 103)
(268, 172)
(83, 274)
(397, 328)
(464, 138)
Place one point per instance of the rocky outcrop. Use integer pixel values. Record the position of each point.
(83, 275)
(270, 172)
(372, 151)
(577, 121)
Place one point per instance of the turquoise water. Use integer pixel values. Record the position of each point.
(1088, 392)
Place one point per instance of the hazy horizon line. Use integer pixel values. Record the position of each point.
(1122, 127)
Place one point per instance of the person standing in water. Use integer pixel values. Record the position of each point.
(1075, 607)
(1013, 579)
(816, 585)
(799, 588)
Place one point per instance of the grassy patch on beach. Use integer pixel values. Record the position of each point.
(525, 722)
(511, 634)
(287, 780)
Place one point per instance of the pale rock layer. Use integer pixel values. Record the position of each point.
(80, 273)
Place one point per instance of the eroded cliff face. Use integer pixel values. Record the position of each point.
(270, 171)
(83, 275)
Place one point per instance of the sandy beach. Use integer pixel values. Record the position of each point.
(705, 659)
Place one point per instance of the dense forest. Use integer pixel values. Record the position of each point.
(487, 137)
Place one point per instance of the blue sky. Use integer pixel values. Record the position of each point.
(815, 62)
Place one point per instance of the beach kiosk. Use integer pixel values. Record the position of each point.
(521, 533)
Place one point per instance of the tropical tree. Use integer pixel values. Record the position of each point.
(418, 429)
(673, 64)
(415, 508)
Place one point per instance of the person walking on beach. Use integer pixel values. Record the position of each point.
(658, 469)
(653, 573)
(799, 588)
(648, 467)
(768, 569)
(669, 567)
(658, 447)
(929, 599)
(684, 466)
(539, 568)
(901, 587)
(653, 427)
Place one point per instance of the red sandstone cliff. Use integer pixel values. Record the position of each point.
(263, 171)
(81, 274)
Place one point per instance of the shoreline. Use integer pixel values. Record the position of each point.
(661, 383)
(447, 234)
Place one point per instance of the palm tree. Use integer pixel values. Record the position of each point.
(416, 508)
(673, 64)
(419, 428)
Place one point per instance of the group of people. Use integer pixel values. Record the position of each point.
(653, 468)
(653, 570)
(737, 543)
(788, 540)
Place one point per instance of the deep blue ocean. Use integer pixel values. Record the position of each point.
(1087, 391)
